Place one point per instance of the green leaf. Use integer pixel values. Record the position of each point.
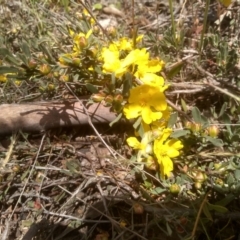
(223, 109)
(26, 50)
(91, 88)
(237, 174)
(226, 200)
(172, 120)
(4, 52)
(207, 212)
(184, 105)
(174, 70)
(23, 58)
(204, 122)
(196, 115)
(5, 69)
(140, 130)
(8, 56)
(97, 6)
(137, 123)
(13, 60)
(46, 51)
(116, 119)
(169, 230)
(158, 190)
(230, 180)
(215, 141)
(113, 79)
(127, 84)
(180, 133)
(217, 208)
(66, 59)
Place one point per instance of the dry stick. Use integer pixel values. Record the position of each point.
(180, 62)
(210, 76)
(41, 116)
(90, 122)
(91, 14)
(84, 220)
(30, 174)
(179, 110)
(198, 216)
(9, 152)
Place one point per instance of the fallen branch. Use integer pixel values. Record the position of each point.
(36, 117)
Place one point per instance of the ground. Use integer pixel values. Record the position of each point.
(71, 183)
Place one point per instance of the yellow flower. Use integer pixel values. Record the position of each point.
(79, 38)
(144, 147)
(112, 64)
(154, 80)
(86, 13)
(126, 44)
(165, 150)
(3, 78)
(65, 59)
(226, 3)
(135, 144)
(151, 66)
(146, 101)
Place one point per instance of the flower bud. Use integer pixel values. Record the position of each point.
(16, 168)
(98, 97)
(32, 64)
(196, 127)
(96, 30)
(220, 168)
(82, 42)
(109, 99)
(174, 188)
(200, 177)
(93, 51)
(217, 166)
(118, 98)
(188, 125)
(111, 31)
(40, 56)
(79, 15)
(219, 181)
(213, 131)
(76, 61)
(151, 164)
(51, 87)
(56, 74)
(198, 185)
(138, 208)
(17, 82)
(45, 69)
(64, 78)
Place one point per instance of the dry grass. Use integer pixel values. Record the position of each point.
(65, 184)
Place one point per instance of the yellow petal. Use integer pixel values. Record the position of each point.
(134, 143)
(166, 167)
(132, 111)
(89, 33)
(149, 116)
(226, 3)
(174, 143)
(152, 79)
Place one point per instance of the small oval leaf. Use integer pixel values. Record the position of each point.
(180, 133)
(91, 88)
(215, 141)
(172, 120)
(196, 115)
